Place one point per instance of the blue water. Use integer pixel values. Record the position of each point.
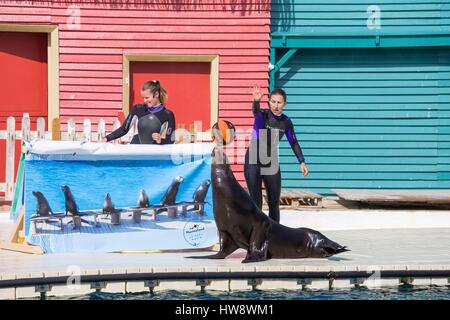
(403, 292)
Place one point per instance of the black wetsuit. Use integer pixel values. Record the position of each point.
(141, 110)
(253, 170)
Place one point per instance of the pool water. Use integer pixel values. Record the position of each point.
(403, 292)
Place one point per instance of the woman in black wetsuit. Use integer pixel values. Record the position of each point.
(155, 98)
(261, 158)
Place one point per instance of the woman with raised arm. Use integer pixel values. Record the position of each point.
(261, 158)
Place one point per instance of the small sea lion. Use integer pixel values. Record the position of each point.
(71, 205)
(202, 190)
(43, 208)
(143, 201)
(108, 205)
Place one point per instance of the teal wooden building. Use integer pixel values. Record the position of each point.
(368, 87)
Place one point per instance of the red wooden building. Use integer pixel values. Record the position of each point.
(88, 59)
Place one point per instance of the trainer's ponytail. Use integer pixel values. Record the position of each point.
(155, 86)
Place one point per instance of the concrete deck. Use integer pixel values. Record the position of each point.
(395, 253)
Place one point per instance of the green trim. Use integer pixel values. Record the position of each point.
(295, 40)
(284, 59)
(277, 65)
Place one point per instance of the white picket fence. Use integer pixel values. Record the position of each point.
(26, 134)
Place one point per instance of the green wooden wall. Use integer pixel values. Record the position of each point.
(351, 16)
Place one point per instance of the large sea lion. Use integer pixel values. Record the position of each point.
(241, 224)
(43, 208)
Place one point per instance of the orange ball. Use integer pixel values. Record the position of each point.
(223, 132)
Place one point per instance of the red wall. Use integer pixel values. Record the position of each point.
(187, 85)
(91, 56)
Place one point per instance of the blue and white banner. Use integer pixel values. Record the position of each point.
(93, 169)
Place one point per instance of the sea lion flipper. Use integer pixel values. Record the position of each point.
(259, 242)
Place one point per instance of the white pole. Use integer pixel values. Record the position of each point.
(116, 125)
(41, 128)
(101, 130)
(87, 130)
(26, 127)
(71, 130)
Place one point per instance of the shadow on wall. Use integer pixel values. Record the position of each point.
(282, 15)
(238, 6)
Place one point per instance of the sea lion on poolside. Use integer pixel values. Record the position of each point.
(169, 197)
(143, 201)
(71, 205)
(43, 208)
(241, 224)
(202, 190)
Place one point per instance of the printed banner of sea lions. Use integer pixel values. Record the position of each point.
(86, 197)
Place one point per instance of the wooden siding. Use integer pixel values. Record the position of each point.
(369, 118)
(350, 17)
(91, 56)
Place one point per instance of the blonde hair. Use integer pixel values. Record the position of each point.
(155, 86)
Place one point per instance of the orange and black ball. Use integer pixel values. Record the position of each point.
(223, 132)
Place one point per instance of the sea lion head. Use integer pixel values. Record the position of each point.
(206, 183)
(65, 189)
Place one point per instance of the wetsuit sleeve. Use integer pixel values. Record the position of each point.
(124, 128)
(256, 107)
(290, 134)
(170, 136)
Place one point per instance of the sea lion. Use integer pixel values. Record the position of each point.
(108, 205)
(169, 197)
(43, 208)
(202, 190)
(241, 224)
(71, 205)
(108, 208)
(143, 201)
